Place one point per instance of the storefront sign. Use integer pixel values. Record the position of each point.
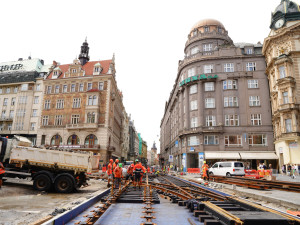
(11, 67)
(197, 77)
(170, 158)
(201, 159)
(293, 145)
(192, 149)
(176, 144)
(184, 162)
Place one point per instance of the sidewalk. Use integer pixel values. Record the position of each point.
(284, 177)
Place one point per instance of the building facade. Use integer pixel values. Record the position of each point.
(82, 107)
(219, 108)
(282, 52)
(21, 94)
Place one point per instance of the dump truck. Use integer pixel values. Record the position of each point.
(61, 170)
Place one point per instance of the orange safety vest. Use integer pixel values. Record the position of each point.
(2, 171)
(118, 172)
(130, 170)
(148, 170)
(109, 169)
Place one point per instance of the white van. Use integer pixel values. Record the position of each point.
(228, 169)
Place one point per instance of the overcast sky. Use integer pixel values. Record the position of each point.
(147, 37)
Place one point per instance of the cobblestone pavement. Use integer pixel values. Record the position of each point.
(20, 204)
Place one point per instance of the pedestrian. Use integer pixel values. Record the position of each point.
(118, 176)
(289, 170)
(264, 166)
(109, 172)
(283, 168)
(2, 171)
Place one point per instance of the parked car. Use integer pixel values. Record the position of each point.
(228, 169)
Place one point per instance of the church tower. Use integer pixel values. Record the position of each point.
(84, 53)
(282, 52)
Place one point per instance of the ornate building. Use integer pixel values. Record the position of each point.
(282, 51)
(82, 107)
(219, 107)
(21, 94)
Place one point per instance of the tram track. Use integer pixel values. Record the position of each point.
(208, 206)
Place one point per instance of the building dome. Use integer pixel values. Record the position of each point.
(287, 6)
(208, 22)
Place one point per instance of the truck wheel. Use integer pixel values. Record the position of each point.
(63, 184)
(42, 182)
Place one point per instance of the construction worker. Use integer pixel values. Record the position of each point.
(130, 172)
(118, 176)
(138, 170)
(148, 170)
(143, 172)
(110, 172)
(205, 171)
(2, 171)
(115, 165)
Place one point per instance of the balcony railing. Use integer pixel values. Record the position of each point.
(82, 126)
(4, 118)
(202, 129)
(76, 146)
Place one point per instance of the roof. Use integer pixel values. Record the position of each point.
(18, 77)
(207, 22)
(88, 68)
(244, 44)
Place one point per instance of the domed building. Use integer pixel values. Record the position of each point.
(281, 49)
(219, 108)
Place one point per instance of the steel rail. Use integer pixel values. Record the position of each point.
(180, 189)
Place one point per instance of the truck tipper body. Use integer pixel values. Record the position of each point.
(62, 170)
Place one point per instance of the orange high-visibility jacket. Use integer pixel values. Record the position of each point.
(118, 172)
(1, 168)
(130, 170)
(109, 169)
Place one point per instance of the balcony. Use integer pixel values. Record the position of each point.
(80, 126)
(198, 130)
(215, 129)
(4, 118)
(288, 107)
(81, 147)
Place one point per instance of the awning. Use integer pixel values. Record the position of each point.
(222, 155)
(258, 155)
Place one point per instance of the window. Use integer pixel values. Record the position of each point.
(254, 101)
(97, 69)
(91, 117)
(208, 68)
(65, 88)
(3, 113)
(75, 119)
(5, 100)
(55, 74)
(80, 87)
(193, 89)
(13, 101)
(194, 122)
(228, 67)
(194, 105)
(73, 87)
(206, 29)
(285, 96)
(21, 113)
(250, 66)
(101, 86)
(58, 121)
(38, 87)
(207, 47)
(74, 70)
(11, 113)
(32, 126)
(194, 50)
(73, 140)
(45, 120)
(231, 102)
(24, 87)
(255, 119)
(34, 112)
(231, 120)
(16, 89)
(92, 100)
(233, 140)
(193, 141)
(49, 89)
(47, 104)
(258, 140)
(36, 100)
(22, 99)
(211, 140)
(60, 104)
(89, 86)
(229, 84)
(249, 51)
(191, 72)
(56, 88)
(288, 125)
(7, 90)
(9, 126)
(209, 103)
(210, 121)
(19, 126)
(209, 86)
(76, 102)
(252, 83)
(282, 73)
(1, 90)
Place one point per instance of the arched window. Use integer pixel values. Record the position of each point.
(73, 140)
(91, 140)
(56, 140)
(94, 100)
